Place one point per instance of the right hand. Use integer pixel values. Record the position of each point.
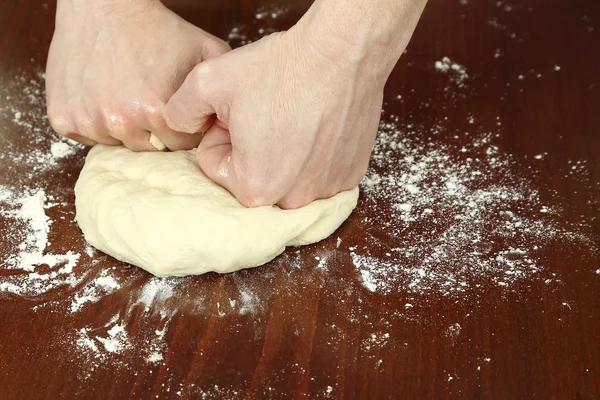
(294, 124)
(113, 65)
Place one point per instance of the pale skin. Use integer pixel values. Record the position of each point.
(286, 120)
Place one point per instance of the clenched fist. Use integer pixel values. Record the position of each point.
(112, 67)
(296, 112)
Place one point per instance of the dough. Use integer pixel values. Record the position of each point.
(160, 212)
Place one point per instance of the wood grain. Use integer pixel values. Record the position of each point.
(307, 332)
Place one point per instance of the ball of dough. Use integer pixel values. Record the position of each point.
(160, 212)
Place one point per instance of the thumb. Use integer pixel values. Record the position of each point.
(189, 109)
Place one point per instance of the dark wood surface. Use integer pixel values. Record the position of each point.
(301, 327)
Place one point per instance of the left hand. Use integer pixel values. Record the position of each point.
(113, 65)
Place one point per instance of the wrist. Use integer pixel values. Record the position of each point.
(368, 37)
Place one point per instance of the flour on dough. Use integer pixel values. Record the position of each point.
(160, 212)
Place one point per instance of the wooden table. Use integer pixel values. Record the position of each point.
(469, 270)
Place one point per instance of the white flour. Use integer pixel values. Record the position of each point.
(262, 25)
(446, 219)
(115, 340)
(376, 340)
(28, 211)
(31, 250)
(457, 72)
(94, 290)
(98, 345)
(28, 113)
(61, 150)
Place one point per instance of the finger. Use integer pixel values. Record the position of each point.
(91, 127)
(177, 140)
(80, 139)
(310, 192)
(87, 128)
(300, 197)
(214, 156)
(139, 140)
(208, 45)
(217, 160)
(82, 131)
(121, 127)
(173, 140)
(188, 110)
(213, 47)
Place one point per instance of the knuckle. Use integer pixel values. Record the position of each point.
(298, 200)
(85, 127)
(214, 48)
(258, 199)
(199, 74)
(59, 121)
(203, 74)
(154, 114)
(222, 47)
(258, 193)
(116, 122)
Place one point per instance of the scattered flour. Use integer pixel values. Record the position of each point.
(453, 331)
(375, 340)
(99, 345)
(448, 218)
(156, 291)
(28, 212)
(271, 12)
(95, 290)
(28, 114)
(114, 341)
(62, 149)
(249, 302)
(456, 71)
(262, 25)
(154, 358)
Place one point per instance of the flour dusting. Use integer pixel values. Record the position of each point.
(28, 212)
(94, 291)
(435, 218)
(457, 72)
(448, 218)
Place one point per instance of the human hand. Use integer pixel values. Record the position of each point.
(293, 124)
(297, 112)
(112, 66)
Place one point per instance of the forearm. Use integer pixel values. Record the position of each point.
(106, 10)
(372, 33)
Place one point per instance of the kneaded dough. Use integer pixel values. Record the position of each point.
(160, 212)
